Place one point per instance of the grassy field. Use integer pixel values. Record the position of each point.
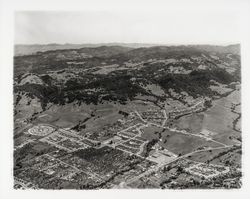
(219, 118)
(230, 156)
(64, 116)
(191, 123)
(181, 144)
(175, 142)
(151, 132)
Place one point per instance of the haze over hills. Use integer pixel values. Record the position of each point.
(27, 49)
(23, 49)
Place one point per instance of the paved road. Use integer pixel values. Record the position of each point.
(166, 163)
(92, 174)
(163, 163)
(166, 117)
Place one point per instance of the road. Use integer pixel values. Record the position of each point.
(180, 131)
(169, 162)
(92, 174)
(138, 128)
(166, 117)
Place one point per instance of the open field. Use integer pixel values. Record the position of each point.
(219, 119)
(220, 156)
(191, 123)
(182, 144)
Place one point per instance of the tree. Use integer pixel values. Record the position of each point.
(180, 169)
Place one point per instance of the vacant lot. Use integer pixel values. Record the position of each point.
(219, 118)
(228, 156)
(151, 132)
(191, 123)
(181, 144)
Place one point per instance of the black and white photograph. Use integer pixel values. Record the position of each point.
(109, 99)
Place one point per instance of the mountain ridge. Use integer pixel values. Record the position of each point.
(29, 49)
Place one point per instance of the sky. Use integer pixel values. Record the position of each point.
(165, 26)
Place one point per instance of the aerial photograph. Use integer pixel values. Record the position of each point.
(93, 111)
